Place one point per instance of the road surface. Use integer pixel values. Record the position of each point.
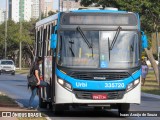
(16, 88)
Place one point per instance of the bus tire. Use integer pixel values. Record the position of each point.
(123, 108)
(42, 104)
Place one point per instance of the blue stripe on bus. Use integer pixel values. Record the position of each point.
(58, 22)
(102, 11)
(98, 85)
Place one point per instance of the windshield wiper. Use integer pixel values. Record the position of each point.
(115, 37)
(109, 48)
(84, 37)
(71, 42)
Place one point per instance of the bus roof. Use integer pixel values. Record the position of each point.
(100, 11)
(47, 20)
(53, 17)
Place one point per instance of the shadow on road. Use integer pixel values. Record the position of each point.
(82, 114)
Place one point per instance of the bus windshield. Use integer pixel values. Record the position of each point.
(73, 51)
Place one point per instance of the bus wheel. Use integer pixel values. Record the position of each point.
(123, 108)
(42, 104)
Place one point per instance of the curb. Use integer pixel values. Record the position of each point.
(22, 106)
(19, 104)
(48, 118)
(150, 95)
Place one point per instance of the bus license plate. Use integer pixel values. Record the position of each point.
(99, 96)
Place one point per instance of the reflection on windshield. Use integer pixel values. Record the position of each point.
(125, 53)
(74, 52)
(6, 62)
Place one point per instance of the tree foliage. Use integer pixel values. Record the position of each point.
(149, 10)
(14, 36)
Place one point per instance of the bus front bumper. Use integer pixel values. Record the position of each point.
(64, 96)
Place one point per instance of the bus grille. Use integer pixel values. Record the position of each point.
(88, 94)
(100, 76)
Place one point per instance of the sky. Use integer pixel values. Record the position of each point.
(3, 4)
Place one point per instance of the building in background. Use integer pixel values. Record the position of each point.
(27, 9)
(35, 9)
(46, 6)
(19, 10)
(72, 5)
(2, 16)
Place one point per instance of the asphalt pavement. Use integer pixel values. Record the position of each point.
(16, 88)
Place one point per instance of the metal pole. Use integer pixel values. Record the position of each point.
(40, 12)
(158, 42)
(20, 42)
(20, 55)
(62, 5)
(6, 17)
(59, 6)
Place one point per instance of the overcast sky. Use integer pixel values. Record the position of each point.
(3, 4)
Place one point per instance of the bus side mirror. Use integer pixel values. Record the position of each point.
(53, 41)
(144, 40)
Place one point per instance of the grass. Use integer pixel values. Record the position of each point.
(23, 71)
(5, 101)
(151, 86)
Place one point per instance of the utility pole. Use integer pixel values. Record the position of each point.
(158, 50)
(20, 46)
(6, 17)
(20, 39)
(40, 12)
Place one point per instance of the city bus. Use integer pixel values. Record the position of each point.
(91, 58)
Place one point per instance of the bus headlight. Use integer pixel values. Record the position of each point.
(65, 84)
(132, 85)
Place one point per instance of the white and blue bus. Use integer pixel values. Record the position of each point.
(91, 58)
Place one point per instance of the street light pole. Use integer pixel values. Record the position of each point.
(20, 39)
(6, 16)
(158, 50)
(20, 47)
(40, 12)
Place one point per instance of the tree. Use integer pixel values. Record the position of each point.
(14, 37)
(51, 13)
(150, 17)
